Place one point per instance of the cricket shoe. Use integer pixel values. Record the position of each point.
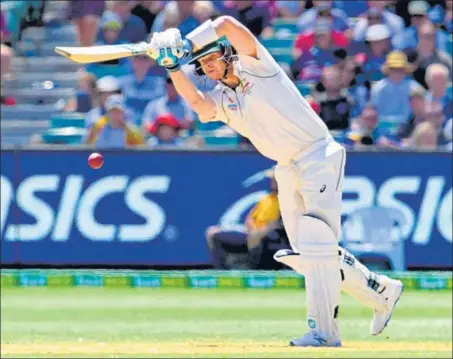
(313, 339)
(392, 293)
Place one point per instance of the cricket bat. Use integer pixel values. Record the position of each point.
(89, 54)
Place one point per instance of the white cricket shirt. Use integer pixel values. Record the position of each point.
(268, 108)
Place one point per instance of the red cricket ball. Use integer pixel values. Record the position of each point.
(95, 160)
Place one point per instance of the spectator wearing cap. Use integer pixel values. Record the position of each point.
(426, 54)
(111, 25)
(335, 102)
(85, 17)
(165, 130)
(105, 86)
(112, 130)
(144, 82)
(171, 103)
(410, 37)
(376, 51)
(437, 78)
(309, 64)
(133, 28)
(377, 14)
(323, 8)
(252, 14)
(305, 41)
(390, 96)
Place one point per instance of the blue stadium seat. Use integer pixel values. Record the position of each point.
(18, 132)
(39, 96)
(105, 70)
(70, 119)
(285, 24)
(218, 141)
(27, 111)
(304, 88)
(59, 79)
(67, 135)
(450, 90)
(277, 43)
(45, 64)
(282, 55)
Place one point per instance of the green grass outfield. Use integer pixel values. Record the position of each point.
(131, 322)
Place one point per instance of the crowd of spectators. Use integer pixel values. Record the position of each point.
(378, 70)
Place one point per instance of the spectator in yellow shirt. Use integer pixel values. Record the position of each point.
(112, 130)
(262, 219)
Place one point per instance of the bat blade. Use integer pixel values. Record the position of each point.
(90, 54)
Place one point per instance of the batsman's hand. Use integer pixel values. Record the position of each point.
(167, 48)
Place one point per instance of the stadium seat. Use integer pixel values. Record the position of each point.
(277, 43)
(44, 64)
(19, 132)
(27, 111)
(450, 90)
(282, 55)
(67, 135)
(38, 95)
(72, 119)
(304, 88)
(104, 70)
(65, 33)
(59, 79)
(286, 25)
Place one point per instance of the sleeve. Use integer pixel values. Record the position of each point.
(264, 65)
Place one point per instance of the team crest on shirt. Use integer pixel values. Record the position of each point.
(246, 86)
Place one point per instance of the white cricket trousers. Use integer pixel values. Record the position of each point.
(311, 184)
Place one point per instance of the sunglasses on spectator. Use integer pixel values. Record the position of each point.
(418, 15)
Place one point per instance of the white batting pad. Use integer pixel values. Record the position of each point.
(355, 277)
(360, 283)
(321, 267)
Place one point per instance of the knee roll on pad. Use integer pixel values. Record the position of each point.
(316, 241)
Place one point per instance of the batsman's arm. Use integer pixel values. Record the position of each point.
(201, 103)
(237, 34)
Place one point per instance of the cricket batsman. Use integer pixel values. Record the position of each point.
(256, 98)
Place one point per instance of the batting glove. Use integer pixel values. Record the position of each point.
(167, 48)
